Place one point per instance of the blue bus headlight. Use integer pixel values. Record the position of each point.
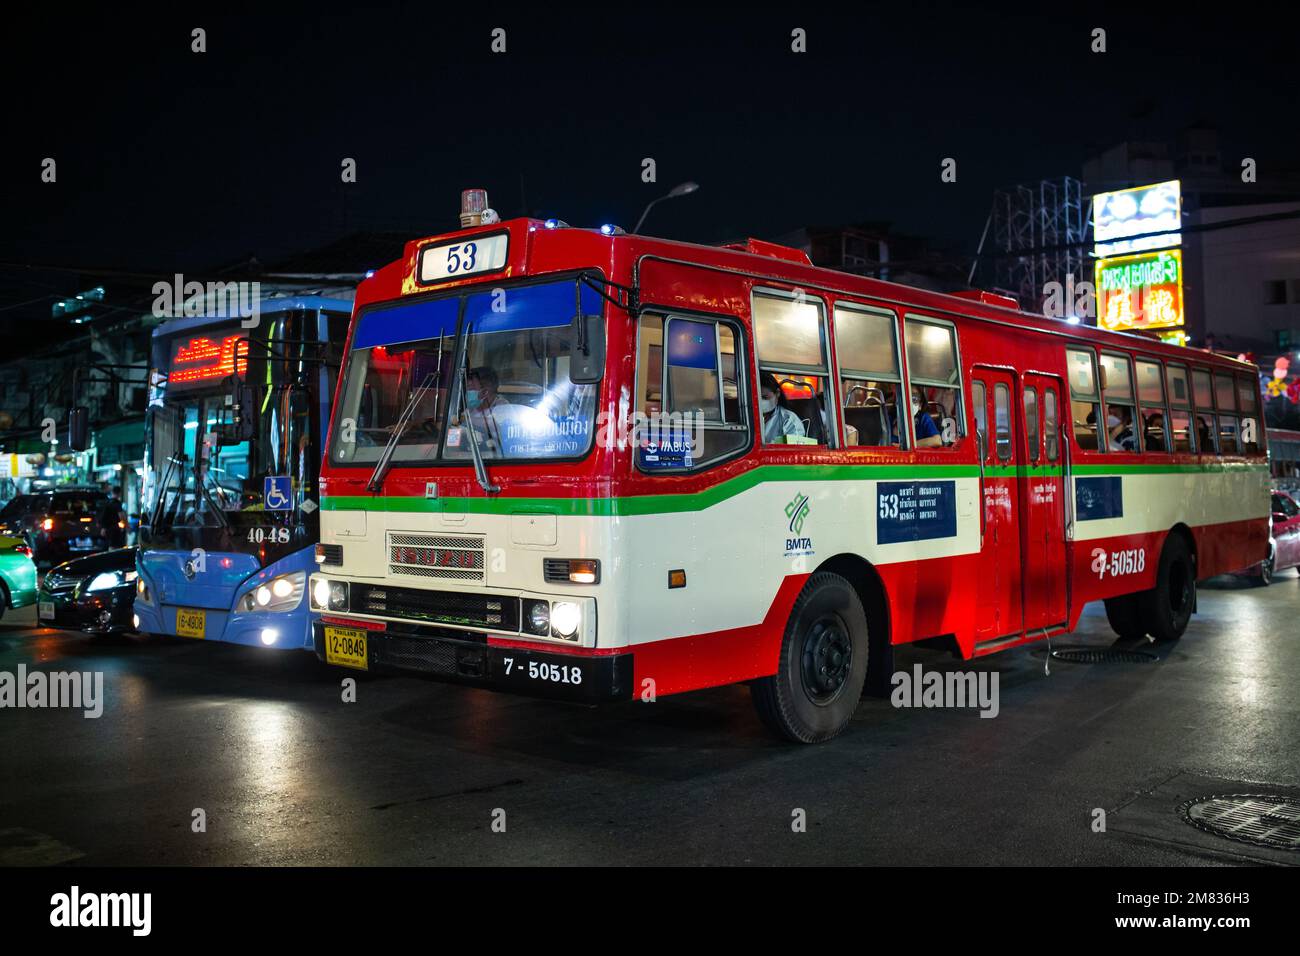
(283, 593)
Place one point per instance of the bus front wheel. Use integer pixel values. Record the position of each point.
(1125, 616)
(1167, 607)
(823, 664)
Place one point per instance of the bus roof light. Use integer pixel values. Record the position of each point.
(474, 209)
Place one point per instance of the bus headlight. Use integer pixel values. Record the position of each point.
(283, 593)
(566, 618)
(537, 617)
(327, 595)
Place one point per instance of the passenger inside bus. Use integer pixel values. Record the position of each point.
(1119, 427)
(927, 430)
(1154, 431)
(779, 420)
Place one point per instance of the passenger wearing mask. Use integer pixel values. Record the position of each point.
(778, 419)
(1119, 426)
(927, 432)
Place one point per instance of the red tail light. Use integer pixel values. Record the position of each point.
(48, 524)
(23, 549)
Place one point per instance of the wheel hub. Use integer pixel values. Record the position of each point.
(827, 659)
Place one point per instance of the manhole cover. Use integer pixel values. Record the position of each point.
(1103, 655)
(1260, 819)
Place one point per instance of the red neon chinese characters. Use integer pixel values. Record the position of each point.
(201, 359)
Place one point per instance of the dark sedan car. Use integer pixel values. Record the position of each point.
(64, 523)
(94, 594)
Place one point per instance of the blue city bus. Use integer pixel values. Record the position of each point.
(234, 431)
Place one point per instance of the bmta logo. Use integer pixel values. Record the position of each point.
(797, 510)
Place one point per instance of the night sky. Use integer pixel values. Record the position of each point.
(171, 160)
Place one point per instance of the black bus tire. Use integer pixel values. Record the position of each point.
(1167, 607)
(1125, 616)
(823, 664)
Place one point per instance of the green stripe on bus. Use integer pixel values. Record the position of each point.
(699, 501)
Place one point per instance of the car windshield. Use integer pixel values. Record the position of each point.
(518, 396)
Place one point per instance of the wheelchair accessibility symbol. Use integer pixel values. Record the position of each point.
(277, 493)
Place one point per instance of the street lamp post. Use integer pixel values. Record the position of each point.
(681, 189)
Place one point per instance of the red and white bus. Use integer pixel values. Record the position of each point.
(549, 472)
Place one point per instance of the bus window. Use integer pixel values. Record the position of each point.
(1085, 399)
(935, 380)
(691, 400)
(1152, 397)
(1248, 404)
(866, 349)
(1206, 434)
(1180, 403)
(1031, 422)
(1051, 433)
(790, 337)
(978, 399)
(1002, 420)
(1117, 389)
(1226, 401)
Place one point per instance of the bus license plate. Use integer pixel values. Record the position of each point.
(46, 610)
(346, 646)
(190, 623)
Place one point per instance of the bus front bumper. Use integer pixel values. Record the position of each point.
(439, 654)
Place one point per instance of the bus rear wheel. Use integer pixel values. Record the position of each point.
(823, 664)
(1125, 616)
(1167, 607)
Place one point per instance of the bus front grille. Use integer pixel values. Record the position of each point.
(451, 557)
(437, 607)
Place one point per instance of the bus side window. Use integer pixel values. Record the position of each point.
(1121, 410)
(1031, 422)
(691, 398)
(1051, 430)
(1085, 399)
(1180, 403)
(790, 338)
(979, 399)
(1248, 404)
(871, 383)
(1151, 393)
(1225, 401)
(935, 380)
(1002, 420)
(1202, 397)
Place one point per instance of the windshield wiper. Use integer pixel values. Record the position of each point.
(480, 469)
(376, 482)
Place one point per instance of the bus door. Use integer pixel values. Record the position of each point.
(998, 612)
(1042, 502)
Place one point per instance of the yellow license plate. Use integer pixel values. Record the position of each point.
(346, 646)
(190, 623)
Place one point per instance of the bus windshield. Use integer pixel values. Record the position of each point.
(510, 347)
(201, 488)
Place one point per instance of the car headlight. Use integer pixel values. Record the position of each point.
(327, 595)
(111, 579)
(566, 617)
(282, 593)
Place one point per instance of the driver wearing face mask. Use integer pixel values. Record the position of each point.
(482, 400)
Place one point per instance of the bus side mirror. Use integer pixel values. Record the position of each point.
(79, 428)
(244, 414)
(587, 356)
